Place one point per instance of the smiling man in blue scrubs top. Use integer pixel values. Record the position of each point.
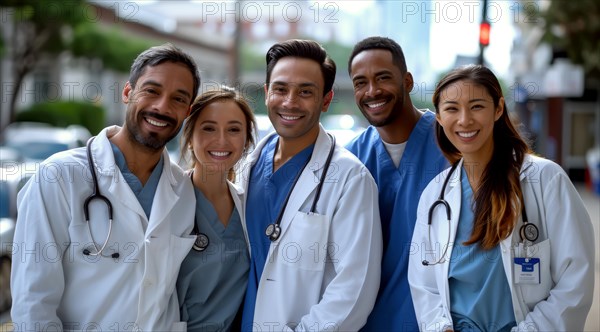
(400, 151)
(321, 271)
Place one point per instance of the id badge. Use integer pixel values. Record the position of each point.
(527, 270)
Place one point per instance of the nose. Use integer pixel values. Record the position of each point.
(162, 105)
(464, 117)
(373, 89)
(290, 99)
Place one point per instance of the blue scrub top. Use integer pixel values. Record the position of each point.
(480, 297)
(212, 283)
(399, 192)
(144, 193)
(266, 193)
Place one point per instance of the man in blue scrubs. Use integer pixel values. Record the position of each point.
(320, 269)
(400, 151)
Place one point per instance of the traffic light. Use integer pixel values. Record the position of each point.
(484, 33)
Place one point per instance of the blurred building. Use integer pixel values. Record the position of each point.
(67, 78)
(560, 113)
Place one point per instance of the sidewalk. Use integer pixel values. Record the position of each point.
(592, 203)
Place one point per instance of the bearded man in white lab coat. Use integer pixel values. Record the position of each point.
(70, 273)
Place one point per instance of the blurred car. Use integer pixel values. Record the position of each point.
(12, 179)
(38, 141)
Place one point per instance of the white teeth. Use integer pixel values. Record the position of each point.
(290, 118)
(156, 123)
(467, 134)
(219, 153)
(376, 105)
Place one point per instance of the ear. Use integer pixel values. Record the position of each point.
(327, 101)
(438, 118)
(126, 93)
(189, 111)
(409, 83)
(266, 93)
(499, 109)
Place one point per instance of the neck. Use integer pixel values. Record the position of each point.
(400, 129)
(474, 167)
(288, 148)
(140, 161)
(212, 184)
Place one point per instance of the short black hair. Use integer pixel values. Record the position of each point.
(380, 43)
(156, 55)
(308, 49)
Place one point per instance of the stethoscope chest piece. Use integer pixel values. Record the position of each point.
(529, 232)
(201, 242)
(273, 231)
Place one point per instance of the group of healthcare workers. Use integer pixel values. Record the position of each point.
(426, 221)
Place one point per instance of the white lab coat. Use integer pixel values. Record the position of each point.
(565, 247)
(55, 286)
(323, 272)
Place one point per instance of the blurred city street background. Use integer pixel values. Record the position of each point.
(63, 65)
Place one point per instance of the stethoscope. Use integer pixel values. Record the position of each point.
(527, 231)
(273, 230)
(86, 208)
(202, 241)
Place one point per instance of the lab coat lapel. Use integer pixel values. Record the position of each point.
(308, 181)
(453, 195)
(165, 197)
(109, 175)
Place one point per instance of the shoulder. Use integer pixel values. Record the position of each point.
(364, 140)
(538, 168)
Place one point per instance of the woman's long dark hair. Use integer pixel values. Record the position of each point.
(499, 198)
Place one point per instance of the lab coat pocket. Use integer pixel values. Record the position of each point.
(304, 245)
(179, 326)
(534, 293)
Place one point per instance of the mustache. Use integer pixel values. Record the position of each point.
(368, 100)
(160, 117)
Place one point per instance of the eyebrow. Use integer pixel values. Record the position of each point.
(302, 85)
(381, 72)
(229, 122)
(158, 85)
(470, 101)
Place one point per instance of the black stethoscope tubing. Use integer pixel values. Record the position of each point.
(86, 207)
(273, 230)
(527, 231)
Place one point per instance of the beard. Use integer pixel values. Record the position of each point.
(150, 141)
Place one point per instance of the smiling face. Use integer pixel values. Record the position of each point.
(380, 89)
(158, 104)
(467, 114)
(295, 99)
(219, 136)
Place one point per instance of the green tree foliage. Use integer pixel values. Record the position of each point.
(574, 26)
(116, 51)
(38, 27)
(65, 113)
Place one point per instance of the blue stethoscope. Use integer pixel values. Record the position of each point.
(86, 209)
(273, 230)
(527, 231)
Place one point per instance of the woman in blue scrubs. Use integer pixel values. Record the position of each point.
(213, 277)
(503, 241)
